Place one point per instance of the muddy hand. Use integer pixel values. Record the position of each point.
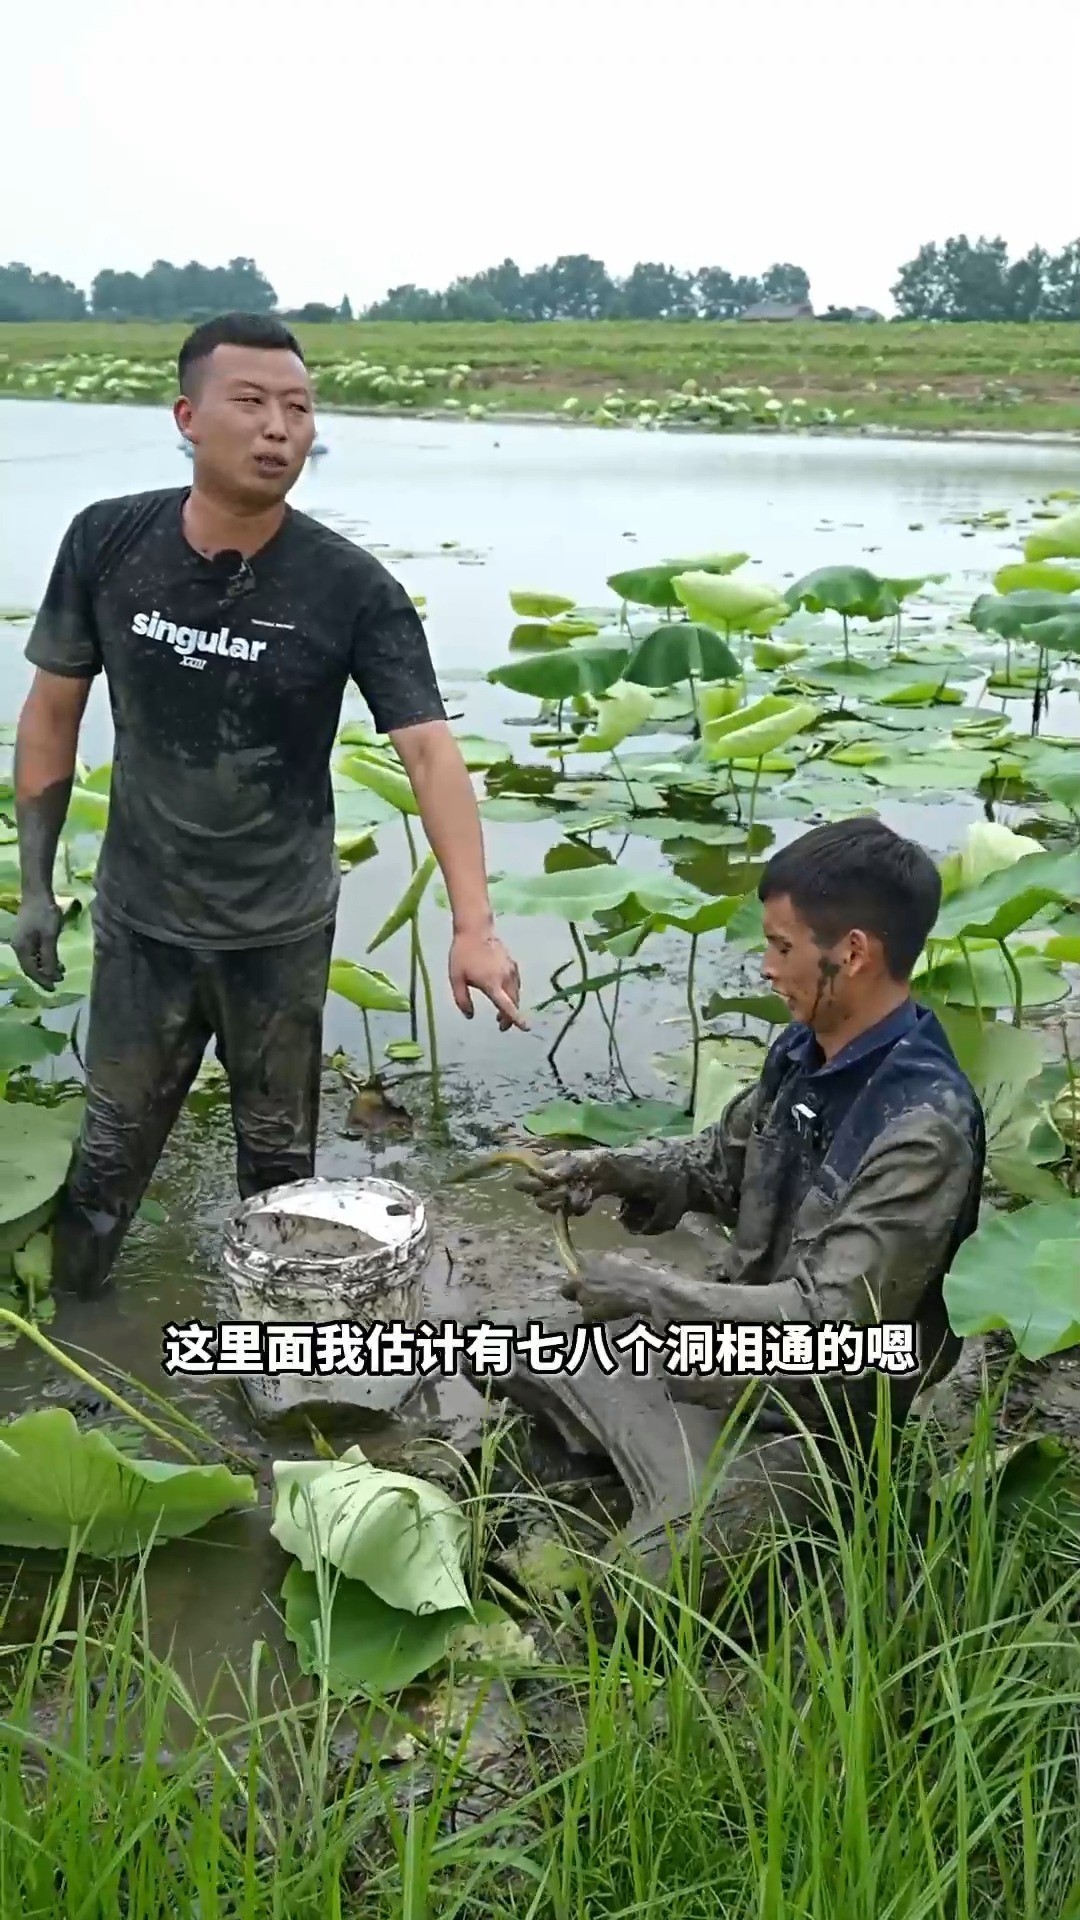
(34, 937)
(609, 1287)
(567, 1182)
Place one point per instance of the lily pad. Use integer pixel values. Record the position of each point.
(56, 1476)
(609, 1126)
(1018, 1273)
(401, 1536)
(35, 1152)
(371, 1649)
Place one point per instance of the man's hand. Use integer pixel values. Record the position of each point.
(34, 937)
(651, 1199)
(571, 1182)
(610, 1287)
(480, 960)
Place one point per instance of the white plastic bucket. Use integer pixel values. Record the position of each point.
(319, 1251)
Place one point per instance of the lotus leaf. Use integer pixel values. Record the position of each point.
(1004, 1065)
(738, 605)
(1008, 614)
(983, 979)
(622, 712)
(678, 650)
(372, 1649)
(1008, 898)
(1019, 1273)
(1059, 634)
(653, 586)
(608, 1126)
(35, 1152)
(560, 675)
(850, 591)
(539, 606)
(581, 894)
(1058, 540)
(755, 731)
(1039, 576)
(406, 910)
(401, 1536)
(384, 776)
(366, 988)
(55, 1477)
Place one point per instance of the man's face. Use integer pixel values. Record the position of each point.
(822, 985)
(251, 422)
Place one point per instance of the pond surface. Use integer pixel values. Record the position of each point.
(462, 514)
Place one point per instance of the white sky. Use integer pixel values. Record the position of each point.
(349, 145)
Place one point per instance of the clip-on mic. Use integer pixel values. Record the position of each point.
(240, 582)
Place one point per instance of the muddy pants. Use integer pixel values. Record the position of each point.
(154, 1008)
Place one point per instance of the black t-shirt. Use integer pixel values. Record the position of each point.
(226, 684)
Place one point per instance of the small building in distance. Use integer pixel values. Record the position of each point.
(779, 310)
(866, 314)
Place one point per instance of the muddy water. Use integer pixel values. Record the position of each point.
(462, 514)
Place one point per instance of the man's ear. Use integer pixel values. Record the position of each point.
(864, 952)
(182, 415)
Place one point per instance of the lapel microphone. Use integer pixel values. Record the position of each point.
(238, 583)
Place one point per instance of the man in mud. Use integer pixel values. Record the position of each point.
(227, 626)
(846, 1178)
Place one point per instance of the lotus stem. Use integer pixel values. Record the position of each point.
(63, 1591)
(1018, 985)
(583, 962)
(414, 938)
(753, 795)
(626, 783)
(26, 1327)
(565, 1245)
(372, 1070)
(433, 1042)
(695, 1025)
(976, 1002)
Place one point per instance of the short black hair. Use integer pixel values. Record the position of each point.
(263, 330)
(859, 873)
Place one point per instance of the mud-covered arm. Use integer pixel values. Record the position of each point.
(65, 648)
(659, 1182)
(872, 1259)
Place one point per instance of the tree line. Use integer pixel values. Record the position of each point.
(954, 280)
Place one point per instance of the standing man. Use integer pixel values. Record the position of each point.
(227, 626)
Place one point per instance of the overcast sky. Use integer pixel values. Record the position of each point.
(350, 145)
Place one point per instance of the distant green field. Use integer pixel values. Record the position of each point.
(1019, 378)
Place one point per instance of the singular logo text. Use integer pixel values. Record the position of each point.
(191, 642)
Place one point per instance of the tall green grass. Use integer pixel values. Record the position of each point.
(890, 1732)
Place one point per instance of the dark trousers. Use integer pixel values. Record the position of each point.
(154, 1009)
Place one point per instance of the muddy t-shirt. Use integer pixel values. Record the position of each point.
(226, 681)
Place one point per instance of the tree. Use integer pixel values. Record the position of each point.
(192, 292)
(961, 279)
(1062, 285)
(345, 311)
(787, 284)
(26, 295)
(653, 292)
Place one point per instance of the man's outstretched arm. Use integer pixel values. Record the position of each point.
(444, 794)
(871, 1261)
(660, 1181)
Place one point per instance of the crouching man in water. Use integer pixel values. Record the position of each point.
(847, 1178)
(227, 627)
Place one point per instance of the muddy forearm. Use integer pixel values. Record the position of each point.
(700, 1175)
(45, 757)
